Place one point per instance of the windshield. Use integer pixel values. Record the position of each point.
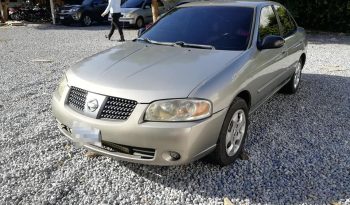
(223, 27)
(133, 4)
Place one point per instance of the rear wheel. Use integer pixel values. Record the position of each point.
(233, 133)
(292, 86)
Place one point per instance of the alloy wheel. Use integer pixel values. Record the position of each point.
(235, 132)
(139, 23)
(87, 21)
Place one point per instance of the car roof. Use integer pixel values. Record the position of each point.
(240, 3)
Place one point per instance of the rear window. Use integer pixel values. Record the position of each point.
(225, 28)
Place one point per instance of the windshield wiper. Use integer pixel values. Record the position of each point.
(177, 43)
(189, 45)
(147, 40)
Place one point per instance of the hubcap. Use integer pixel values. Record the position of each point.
(87, 20)
(235, 132)
(297, 75)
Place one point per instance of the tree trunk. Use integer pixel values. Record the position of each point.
(52, 7)
(155, 10)
(2, 12)
(5, 8)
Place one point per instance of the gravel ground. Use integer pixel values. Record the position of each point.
(298, 146)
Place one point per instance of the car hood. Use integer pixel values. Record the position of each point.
(128, 10)
(145, 72)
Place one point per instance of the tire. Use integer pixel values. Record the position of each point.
(293, 84)
(86, 20)
(227, 152)
(14, 17)
(140, 23)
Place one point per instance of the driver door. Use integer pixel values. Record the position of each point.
(147, 11)
(269, 61)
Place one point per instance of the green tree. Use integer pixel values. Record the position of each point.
(326, 15)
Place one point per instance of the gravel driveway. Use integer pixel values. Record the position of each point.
(298, 146)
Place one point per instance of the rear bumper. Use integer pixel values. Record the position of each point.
(192, 140)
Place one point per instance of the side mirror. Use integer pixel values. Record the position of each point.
(147, 7)
(141, 31)
(271, 42)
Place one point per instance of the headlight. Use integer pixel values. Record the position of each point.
(76, 16)
(62, 85)
(178, 110)
(73, 10)
(130, 15)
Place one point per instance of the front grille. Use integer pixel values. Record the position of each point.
(143, 153)
(114, 108)
(77, 98)
(118, 108)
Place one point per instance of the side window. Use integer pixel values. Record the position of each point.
(288, 25)
(268, 23)
(148, 4)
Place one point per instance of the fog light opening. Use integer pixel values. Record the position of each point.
(171, 156)
(174, 156)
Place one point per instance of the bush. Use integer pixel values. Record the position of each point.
(321, 15)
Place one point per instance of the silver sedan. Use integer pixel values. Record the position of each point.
(185, 87)
(138, 12)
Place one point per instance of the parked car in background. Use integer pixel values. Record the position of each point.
(84, 12)
(185, 88)
(138, 13)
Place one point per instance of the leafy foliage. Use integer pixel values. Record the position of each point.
(325, 15)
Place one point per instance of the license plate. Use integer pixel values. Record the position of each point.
(61, 17)
(85, 134)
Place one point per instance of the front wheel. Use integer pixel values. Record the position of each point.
(140, 23)
(86, 20)
(233, 133)
(15, 17)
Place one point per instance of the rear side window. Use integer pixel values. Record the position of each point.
(288, 25)
(268, 23)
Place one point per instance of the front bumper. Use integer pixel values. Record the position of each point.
(67, 18)
(127, 21)
(192, 140)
